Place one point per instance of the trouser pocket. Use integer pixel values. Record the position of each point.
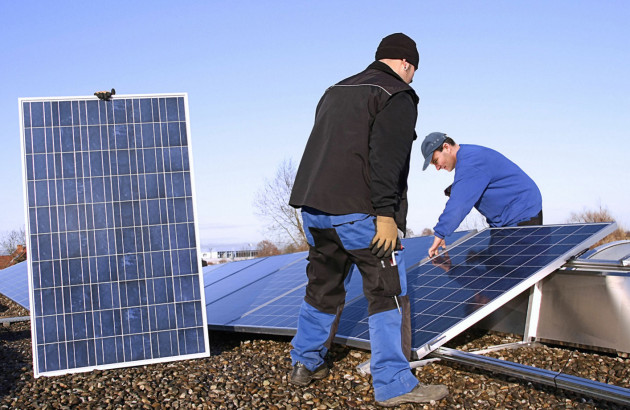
(389, 281)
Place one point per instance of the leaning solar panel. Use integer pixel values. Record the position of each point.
(115, 277)
(452, 292)
(460, 287)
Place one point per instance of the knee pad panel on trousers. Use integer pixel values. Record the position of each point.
(327, 269)
(381, 280)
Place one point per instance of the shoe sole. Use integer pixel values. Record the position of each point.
(398, 401)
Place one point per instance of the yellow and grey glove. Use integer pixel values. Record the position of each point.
(386, 237)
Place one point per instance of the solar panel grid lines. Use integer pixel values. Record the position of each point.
(246, 304)
(353, 325)
(110, 211)
(14, 283)
(216, 273)
(234, 296)
(486, 271)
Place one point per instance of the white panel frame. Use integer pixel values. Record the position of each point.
(34, 346)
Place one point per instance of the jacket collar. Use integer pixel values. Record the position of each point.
(379, 65)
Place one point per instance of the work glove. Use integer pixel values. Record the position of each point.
(105, 95)
(386, 237)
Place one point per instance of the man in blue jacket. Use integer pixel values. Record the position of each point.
(484, 179)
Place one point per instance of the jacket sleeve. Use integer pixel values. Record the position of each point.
(390, 144)
(468, 187)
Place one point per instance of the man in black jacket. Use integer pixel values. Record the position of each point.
(351, 185)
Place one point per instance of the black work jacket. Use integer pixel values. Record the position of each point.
(356, 159)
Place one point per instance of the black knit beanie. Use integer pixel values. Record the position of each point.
(398, 46)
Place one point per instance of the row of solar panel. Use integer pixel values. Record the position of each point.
(89, 164)
(104, 139)
(67, 272)
(130, 348)
(149, 215)
(118, 111)
(264, 295)
(444, 293)
(108, 189)
(116, 241)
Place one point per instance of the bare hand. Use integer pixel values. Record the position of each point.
(437, 243)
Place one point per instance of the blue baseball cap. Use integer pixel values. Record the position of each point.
(431, 142)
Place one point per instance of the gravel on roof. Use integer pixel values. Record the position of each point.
(249, 371)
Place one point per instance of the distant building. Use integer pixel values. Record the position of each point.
(230, 255)
(19, 255)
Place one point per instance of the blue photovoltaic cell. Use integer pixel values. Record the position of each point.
(234, 282)
(115, 276)
(493, 266)
(266, 293)
(264, 288)
(459, 288)
(14, 283)
(220, 280)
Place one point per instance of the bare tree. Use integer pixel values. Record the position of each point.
(271, 203)
(10, 241)
(427, 232)
(267, 248)
(601, 214)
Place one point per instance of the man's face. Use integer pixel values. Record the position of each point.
(444, 159)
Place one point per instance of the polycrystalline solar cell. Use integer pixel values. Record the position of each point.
(457, 289)
(278, 300)
(115, 277)
(214, 273)
(353, 324)
(237, 279)
(488, 268)
(14, 283)
(265, 296)
(266, 286)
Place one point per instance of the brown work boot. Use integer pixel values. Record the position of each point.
(302, 376)
(422, 393)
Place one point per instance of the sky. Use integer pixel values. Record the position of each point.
(544, 82)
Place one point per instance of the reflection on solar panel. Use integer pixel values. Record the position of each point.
(479, 273)
(353, 325)
(114, 279)
(476, 277)
(265, 294)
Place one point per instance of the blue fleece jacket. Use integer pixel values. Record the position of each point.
(494, 185)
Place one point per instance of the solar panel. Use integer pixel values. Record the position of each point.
(479, 274)
(114, 273)
(14, 283)
(265, 296)
(452, 292)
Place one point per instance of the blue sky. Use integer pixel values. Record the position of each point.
(544, 82)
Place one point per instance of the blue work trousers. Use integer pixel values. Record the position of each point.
(336, 243)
